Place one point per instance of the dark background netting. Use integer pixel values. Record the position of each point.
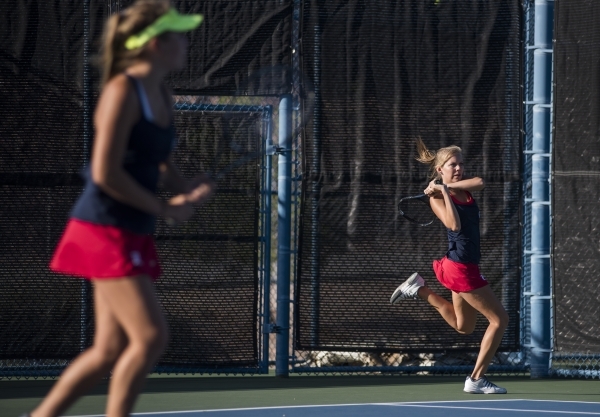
(41, 152)
(230, 51)
(385, 73)
(576, 175)
(210, 286)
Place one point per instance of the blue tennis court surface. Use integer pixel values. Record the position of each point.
(486, 408)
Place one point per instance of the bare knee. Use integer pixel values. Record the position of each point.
(464, 328)
(152, 342)
(500, 320)
(107, 352)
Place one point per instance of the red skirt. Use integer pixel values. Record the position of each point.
(458, 277)
(96, 251)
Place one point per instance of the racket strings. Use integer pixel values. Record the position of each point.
(417, 210)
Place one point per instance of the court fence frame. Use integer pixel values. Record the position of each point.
(32, 367)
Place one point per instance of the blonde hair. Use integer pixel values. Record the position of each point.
(435, 159)
(114, 57)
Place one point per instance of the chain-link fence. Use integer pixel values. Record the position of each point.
(219, 258)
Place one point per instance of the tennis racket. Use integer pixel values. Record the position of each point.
(216, 140)
(221, 143)
(416, 209)
(233, 150)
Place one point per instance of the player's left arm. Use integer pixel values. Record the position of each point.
(468, 184)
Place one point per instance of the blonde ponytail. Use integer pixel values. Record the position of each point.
(435, 159)
(425, 155)
(108, 47)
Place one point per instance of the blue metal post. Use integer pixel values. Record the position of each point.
(269, 152)
(284, 227)
(541, 288)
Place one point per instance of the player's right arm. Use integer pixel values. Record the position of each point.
(468, 184)
(443, 207)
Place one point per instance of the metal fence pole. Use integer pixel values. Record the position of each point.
(284, 226)
(269, 152)
(541, 290)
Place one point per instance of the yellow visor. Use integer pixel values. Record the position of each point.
(171, 21)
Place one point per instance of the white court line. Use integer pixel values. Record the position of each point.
(567, 401)
(499, 409)
(150, 413)
(452, 401)
(236, 409)
(407, 404)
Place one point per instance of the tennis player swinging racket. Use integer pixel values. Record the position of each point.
(455, 207)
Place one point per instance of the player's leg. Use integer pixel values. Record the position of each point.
(458, 314)
(136, 308)
(90, 366)
(485, 301)
(466, 315)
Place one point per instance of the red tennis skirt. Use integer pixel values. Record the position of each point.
(457, 276)
(96, 251)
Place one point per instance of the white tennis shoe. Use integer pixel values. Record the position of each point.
(408, 289)
(482, 386)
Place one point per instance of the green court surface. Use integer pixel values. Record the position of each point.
(179, 393)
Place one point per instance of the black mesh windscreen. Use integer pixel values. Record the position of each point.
(42, 149)
(231, 52)
(236, 43)
(576, 175)
(384, 74)
(209, 289)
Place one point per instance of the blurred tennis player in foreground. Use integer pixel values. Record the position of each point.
(458, 271)
(108, 238)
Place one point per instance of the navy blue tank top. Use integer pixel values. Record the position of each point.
(148, 146)
(464, 245)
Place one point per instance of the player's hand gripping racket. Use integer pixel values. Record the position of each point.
(416, 209)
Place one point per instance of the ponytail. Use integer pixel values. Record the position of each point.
(425, 155)
(435, 159)
(109, 47)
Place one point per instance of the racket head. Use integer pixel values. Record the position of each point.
(416, 209)
(219, 139)
(234, 146)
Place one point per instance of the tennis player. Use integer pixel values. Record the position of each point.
(453, 204)
(108, 238)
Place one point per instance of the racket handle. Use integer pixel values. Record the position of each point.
(438, 181)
